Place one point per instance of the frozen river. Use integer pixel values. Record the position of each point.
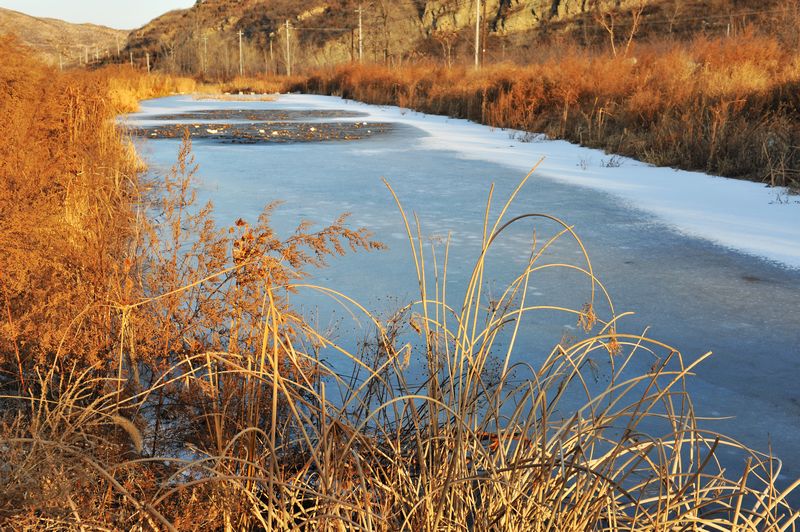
(734, 293)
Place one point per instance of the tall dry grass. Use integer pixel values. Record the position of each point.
(727, 106)
(69, 198)
(262, 434)
(155, 375)
(127, 87)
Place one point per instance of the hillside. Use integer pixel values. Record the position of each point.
(205, 38)
(60, 42)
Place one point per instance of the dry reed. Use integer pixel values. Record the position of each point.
(721, 105)
(157, 378)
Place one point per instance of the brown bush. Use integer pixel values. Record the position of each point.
(110, 285)
(65, 202)
(722, 106)
(155, 377)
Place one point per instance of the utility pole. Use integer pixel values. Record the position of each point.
(148, 62)
(288, 50)
(60, 60)
(271, 54)
(360, 11)
(117, 45)
(484, 33)
(85, 54)
(241, 56)
(131, 54)
(205, 53)
(477, 34)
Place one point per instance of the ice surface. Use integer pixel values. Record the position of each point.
(707, 263)
(745, 216)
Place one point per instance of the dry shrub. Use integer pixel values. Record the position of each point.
(69, 196)
(66, 209)
(127, 87)
(245, 85)
(260, 434)
(711, 104)
(156, 377)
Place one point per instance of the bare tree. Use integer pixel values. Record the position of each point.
(607, 20)
(446, 38)
(674, 17)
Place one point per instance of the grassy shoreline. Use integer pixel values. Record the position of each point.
(722, 106)
(154, 375)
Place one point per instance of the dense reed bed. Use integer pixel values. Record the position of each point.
(727, 105)
(155, 376)
(69, 198)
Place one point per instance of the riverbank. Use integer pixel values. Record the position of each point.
(155, 374)
(717, 105)
(737, 214)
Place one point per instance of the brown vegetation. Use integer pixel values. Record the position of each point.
(66, 207)
(727, 106)
(101, 276)
(154, 376)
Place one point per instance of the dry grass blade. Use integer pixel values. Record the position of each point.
(189, 394)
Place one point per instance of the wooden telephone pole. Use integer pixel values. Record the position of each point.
(360, 12)
(241, 55)
(288, 49)
(271, 54)
(477, 34)
(205, 54)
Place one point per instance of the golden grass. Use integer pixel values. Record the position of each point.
(127, 87)
(247, 85)
(720, 105)
(266, 436)
(69, 199)
(154, 375)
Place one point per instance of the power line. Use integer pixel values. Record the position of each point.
(712, 17)
(452, 7)
(379, 17)
(305, 28)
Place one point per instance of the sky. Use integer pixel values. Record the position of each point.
(119, 14)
